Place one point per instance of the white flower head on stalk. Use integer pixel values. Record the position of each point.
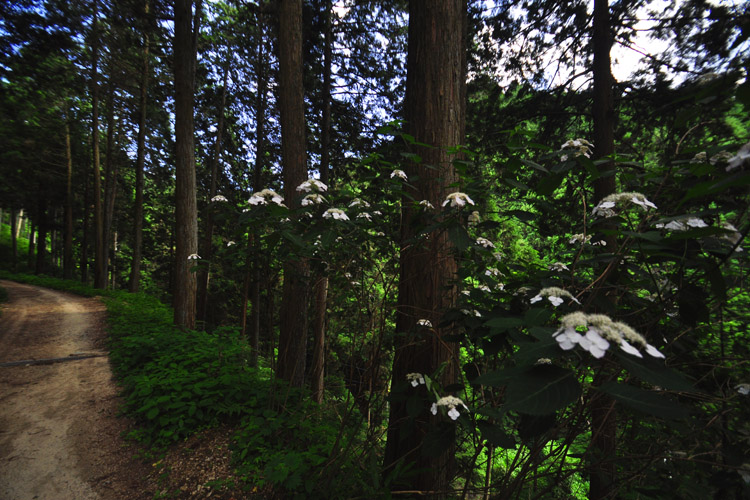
(577, 147)
(558, 267)
(741, 158)
(484, 242)
(364, 215)
(400, 174)
(335, 213)
(426, 204)
(193, 256)
(733, 236)
(580, 238)
(600, 332)
(458, 199)
(313, 199)
(219, 198)
(265, 196)
(554, 295)
(415, 379)
(312, 185)
(608, 203)
(474, 218)
(450, 402)
(493, 272)
(356, 202)
(682, 224)
(425, 322)
(473, 312)
(230, 243)
(743, 389)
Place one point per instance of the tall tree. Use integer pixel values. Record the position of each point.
(186, 211)
(435, 115)
(100, 257)
(603, 411)
(135, 270)
(293, 327)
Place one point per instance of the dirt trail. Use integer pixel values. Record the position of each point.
(59, 435)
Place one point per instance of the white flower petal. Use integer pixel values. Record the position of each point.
(628, 348)
(453, 414)
(433, 409)
(653, 351)
(556, 301)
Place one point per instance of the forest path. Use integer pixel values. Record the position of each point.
(59, 434)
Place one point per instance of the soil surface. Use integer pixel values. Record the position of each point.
(60, 436)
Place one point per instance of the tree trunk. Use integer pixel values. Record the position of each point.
(30, 253)
(135, 270)
(320, 290)
(186, 213)
(293, 323)
(84, 265)
(100, 259)
(13, 239)
(110, 178)
(603, 411)
(68, 265)
(207, 247)
(253, 266)
(435, 115)
(41, 241)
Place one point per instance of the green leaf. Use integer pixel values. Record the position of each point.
(152, 413)
(654, 372)
(645, 401)
(495, 435)
(503, 323)
(542, 389)
(498, 378)
(459, 237)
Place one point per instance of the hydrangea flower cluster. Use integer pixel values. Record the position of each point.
(484, 242)
(426, 204)
(741, 158)
(601, 331)
(558, 267)
(458, 199)
(335, 213)
(357, 202)
(219, 198)
(311, 185)
(683, 224)
(265, 196)
(474, 218)
(312, 199)
(608, 203)
(400, 174)
(425, 322)
(579, 147)
(554, 295)
(193, 256)
(450, 402)
(415, 379)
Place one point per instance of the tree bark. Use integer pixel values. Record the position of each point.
(602, 472)
(110, 178)
(41, 241)
(293, 324)
(14, 238)
(186, 213)
(320, 290)
(68, 265)
(100, 259)
(435, 115)
(207, 247)
(135, 270)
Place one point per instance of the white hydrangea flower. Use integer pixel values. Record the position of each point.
(601, 331)
(554, 295)
(452, 403)
(484, 288)
(312, 185)
(313, 199)
(741, 158)
(580, 238)
(364, 215)
(458, 199)
(400, 174)
(425, 322)
(493, 272)
(356, 202)
(193, 256)
(473, 312)
(473, 218)
(415, 379)
(484, 242)
(426, 204)
(335, 213)
(558, 267)
(606, 206)
(265, 196)
(578, 147)
(743, 389)
(230, 243)
(219, 198)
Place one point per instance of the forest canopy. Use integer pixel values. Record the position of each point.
(438, 248)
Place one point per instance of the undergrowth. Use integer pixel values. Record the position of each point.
(176, 382)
